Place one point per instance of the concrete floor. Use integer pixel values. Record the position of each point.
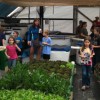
(91, 94)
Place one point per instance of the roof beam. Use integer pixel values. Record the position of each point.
(53, 2)
(84, 15)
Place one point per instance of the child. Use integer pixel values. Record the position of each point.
(11, 52)
(86, 54)
(96, 46)
(46, 41)
(19, 42)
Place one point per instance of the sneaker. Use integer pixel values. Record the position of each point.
(83, 88)
(87, 87)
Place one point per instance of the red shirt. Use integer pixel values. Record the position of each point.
(11, 51)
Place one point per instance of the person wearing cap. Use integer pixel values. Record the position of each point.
(95, 24)
(97, 21)
(96, 18)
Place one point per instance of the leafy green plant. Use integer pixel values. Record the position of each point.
(69, 65)
(62, 66)
(39, 76)
(58, 67)
(27, 95)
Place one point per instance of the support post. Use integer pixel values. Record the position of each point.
(75, 18)
(41, 16)
(29, 15)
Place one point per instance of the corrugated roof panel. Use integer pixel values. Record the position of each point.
(5, 9)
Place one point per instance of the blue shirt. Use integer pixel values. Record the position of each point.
(20, 42)
(46, 48)
(34, 31)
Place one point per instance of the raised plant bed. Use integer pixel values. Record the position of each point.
(51, 77)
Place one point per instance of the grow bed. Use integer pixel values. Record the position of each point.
(51, 77)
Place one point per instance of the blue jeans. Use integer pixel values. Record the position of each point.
(11, 63)
(26, 53)
(86, 71)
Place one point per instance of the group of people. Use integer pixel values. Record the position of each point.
(90, 51)
(38, 41)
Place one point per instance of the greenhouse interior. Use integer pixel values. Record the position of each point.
(49, 49)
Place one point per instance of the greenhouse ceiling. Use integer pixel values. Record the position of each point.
(5, 9)
(52, 2)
